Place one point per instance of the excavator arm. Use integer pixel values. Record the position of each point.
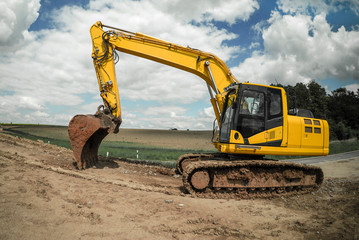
(87, 131)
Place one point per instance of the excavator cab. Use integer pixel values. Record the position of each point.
(249, 111)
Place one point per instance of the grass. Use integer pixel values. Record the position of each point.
(129, 150)
(55, 135)
(343, 146)
(25, 133)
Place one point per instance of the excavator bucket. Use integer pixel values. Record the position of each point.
(86, 133)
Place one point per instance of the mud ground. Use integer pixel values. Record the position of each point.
(42, 196)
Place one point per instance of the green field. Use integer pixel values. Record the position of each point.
(152, 145)
(57, 135)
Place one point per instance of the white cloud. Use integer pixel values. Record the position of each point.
(168, 121)
(16, 16)
(172, 111)
(353, 87)
(317, 6)
(9, 103)
(27, 103)
(39, 114)
(208, 112)
(303, 6)
(207, 10)
(254, 45)
(141, 79)
(63, 117)
(165, 117)
(298, 49)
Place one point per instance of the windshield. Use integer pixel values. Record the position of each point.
(227, 117)
(252, 103)
(229, 111)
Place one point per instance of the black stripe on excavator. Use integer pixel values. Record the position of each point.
(276, 143)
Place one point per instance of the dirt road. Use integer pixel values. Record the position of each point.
(42, 196)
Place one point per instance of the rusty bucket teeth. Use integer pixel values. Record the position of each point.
(86, 133)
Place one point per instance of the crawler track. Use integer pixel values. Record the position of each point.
(249, 179)
(186, 159)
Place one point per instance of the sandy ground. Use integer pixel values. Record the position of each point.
(42, 196)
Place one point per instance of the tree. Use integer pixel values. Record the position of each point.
(341, 131)
(318, 100)
(301, 96)
(344, 107)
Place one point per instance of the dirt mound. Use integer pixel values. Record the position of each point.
(43, 196)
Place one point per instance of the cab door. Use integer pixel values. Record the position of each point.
(260, 116)
(229, 110)
(274, 122)
(256, 113)
(250, 118)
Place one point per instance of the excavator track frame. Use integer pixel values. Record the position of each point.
(188, 158)
(245, 179)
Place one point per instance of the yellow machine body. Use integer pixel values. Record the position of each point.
(252, 118)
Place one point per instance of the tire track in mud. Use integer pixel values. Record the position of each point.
(102, 179)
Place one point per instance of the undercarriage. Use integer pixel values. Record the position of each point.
(208, 177)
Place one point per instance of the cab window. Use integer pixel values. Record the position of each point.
(252, 103)
(275, 103)
(251, 113)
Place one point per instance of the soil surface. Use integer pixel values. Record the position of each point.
(43, 196)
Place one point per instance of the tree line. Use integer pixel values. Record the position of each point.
(340, 107)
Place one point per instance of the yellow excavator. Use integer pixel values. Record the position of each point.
(253, 121)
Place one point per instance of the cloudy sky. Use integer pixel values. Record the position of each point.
(47, 76)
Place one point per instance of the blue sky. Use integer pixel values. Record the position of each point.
(47, 74)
